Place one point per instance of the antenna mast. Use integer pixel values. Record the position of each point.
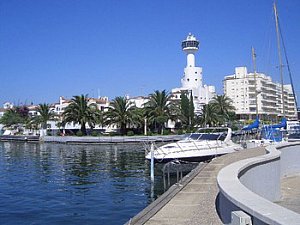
(255, 80)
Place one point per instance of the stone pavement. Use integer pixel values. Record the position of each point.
(195, 202)
(290, 192)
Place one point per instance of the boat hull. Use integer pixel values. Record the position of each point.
(187, 159)
(197, 147)
(191, 155)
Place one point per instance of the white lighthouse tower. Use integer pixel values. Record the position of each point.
(192, 77)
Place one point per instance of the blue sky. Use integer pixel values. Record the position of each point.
(52, 48)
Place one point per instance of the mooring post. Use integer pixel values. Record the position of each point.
(152, 163)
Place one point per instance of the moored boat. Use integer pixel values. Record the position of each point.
(205, 144)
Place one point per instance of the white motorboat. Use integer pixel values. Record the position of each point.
(198, 146)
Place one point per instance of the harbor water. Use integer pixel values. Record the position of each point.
(74, 184)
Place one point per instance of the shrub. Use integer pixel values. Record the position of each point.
(94, 133)
(166, 132)
(130, 133)
(180, 132)
(79, 133)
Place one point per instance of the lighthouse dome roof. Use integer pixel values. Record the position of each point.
(191, 37)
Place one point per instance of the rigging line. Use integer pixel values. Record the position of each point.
(268, 45)
(288, 65)
(280, 59)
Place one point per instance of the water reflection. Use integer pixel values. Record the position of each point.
(101, 184)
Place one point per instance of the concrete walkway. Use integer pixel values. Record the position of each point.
(195, 202)
(290, 191)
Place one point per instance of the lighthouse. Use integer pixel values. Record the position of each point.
(192, 77)
(190, 46)
(191, 80)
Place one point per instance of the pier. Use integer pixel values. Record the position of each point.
(93, 140)
(29, 138)
(112, 139)
(261, 187)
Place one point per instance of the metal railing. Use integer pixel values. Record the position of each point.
(177, 167)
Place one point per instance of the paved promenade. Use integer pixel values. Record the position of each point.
(195, 202)
(290, 191)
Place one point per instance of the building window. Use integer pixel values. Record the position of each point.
(188, 79)
(196, 79)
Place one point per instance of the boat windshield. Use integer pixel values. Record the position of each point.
(201, 136)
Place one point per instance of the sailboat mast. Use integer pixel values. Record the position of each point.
(288, 66)
(255, 80)
(280, 59)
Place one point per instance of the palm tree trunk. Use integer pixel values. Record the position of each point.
(123, 128)
(83, 129)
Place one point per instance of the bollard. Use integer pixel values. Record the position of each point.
(152, 163)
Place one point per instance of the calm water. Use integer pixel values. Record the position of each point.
(73, 184)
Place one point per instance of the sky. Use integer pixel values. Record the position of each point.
(52, 48)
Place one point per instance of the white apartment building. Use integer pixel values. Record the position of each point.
(138, 101)
(242, 89)
(291, 111)
(58, 108)
(192, 77)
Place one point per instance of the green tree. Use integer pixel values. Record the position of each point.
(187, 114)
(138, 117)
(120, 113)
(209, 116)
(23, 112)
(44, 115)
(224, 107)
(11, 117)
(79, 111)
(160, 108)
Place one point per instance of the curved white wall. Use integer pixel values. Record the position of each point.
(251, 185)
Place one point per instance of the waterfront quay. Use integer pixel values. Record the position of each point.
(112, 139)
(264, 192)
(93, 140)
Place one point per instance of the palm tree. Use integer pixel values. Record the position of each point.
(209, 116)
(223, 105)
(44, 115)
(159, 108)
(138, 117)
(120, 113)
(79, 111)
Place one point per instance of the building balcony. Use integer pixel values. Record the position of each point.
(269, 100)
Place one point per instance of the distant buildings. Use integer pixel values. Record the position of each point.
(192, 77)
(58, 108)
(241, 88)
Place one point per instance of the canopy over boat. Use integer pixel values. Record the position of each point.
(280, 125)
(253, 125)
